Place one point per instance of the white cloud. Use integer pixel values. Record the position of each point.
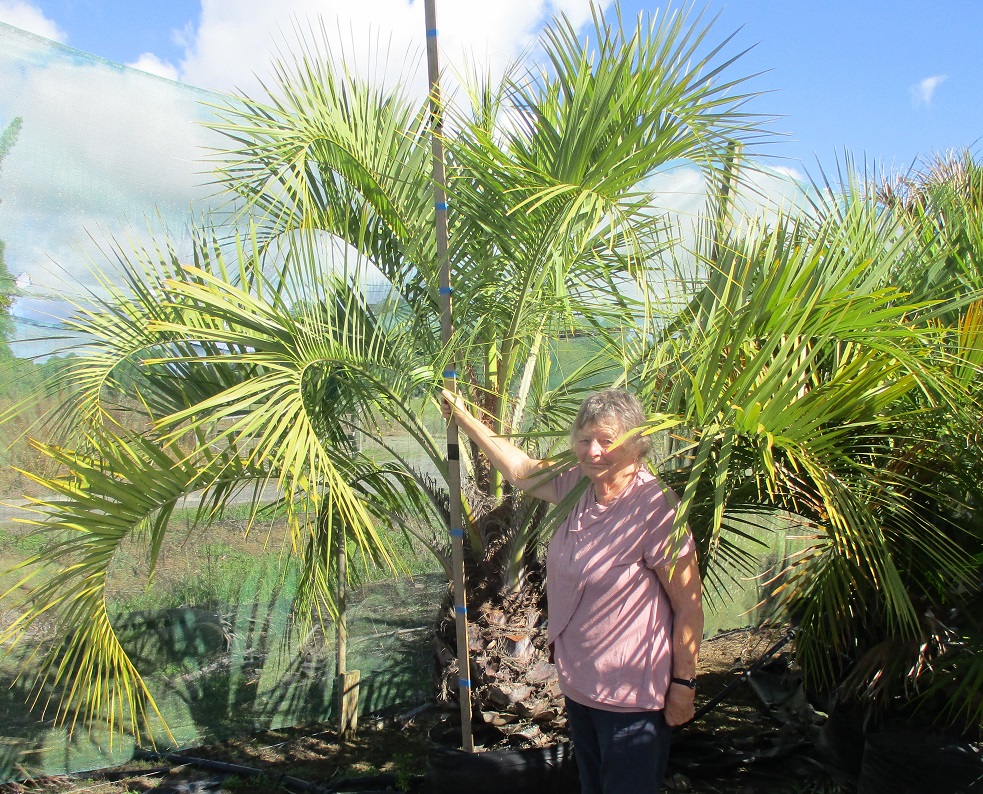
(150, 63)
(236, 39)
(789, 171)
(679, 191)
(102, 152)
(923, 91)
(30, 18)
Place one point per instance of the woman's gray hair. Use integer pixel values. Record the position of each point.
(619, 409)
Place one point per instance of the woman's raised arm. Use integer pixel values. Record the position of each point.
(522, 471)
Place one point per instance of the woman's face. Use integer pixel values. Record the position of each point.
(598, 457)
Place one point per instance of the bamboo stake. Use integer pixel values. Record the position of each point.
(450, 379)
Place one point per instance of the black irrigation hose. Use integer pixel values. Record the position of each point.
(716, 699)
(363, 784)
(112, 777)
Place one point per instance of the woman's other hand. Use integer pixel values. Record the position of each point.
(680, 707)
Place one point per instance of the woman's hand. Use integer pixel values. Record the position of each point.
(682, 584)
(679, 708)
(451, 403)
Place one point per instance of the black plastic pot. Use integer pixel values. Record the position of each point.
(901, 760)
(534, 770)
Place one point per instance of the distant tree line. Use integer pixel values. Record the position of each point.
(7, 141)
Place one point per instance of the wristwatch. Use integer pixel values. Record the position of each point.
(687, 682)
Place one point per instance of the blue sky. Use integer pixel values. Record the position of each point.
(122, 30)
(891, 80)
(894, 80)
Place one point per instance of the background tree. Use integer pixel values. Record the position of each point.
(7, 140)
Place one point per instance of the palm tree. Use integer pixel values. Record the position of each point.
(198, 433)
(943, 201)
(808, 379)
(250, 366)
(552, 234)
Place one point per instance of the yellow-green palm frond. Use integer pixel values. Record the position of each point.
(130, 488)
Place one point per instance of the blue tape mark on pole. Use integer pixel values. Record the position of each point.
(457, 533)
(445, 290)
(460, 609)
(441, 206)
(464, 682)
(432, 33)
(450, 374)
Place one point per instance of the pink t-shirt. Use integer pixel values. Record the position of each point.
(609, 617)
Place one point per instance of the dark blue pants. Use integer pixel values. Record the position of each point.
(619, 752)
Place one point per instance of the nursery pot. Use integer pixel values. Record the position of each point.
(527, 770)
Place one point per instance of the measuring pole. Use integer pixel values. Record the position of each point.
(450, 379)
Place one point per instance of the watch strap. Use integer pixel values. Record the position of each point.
(687, 682)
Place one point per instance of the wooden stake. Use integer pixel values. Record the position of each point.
(346, 682)
(450, 379)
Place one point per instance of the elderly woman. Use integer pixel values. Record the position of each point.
(625, 609)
